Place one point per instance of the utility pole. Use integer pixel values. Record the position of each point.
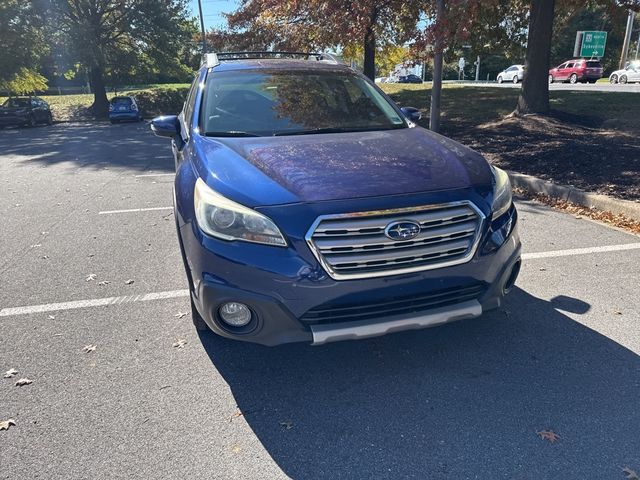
(478, 68)
(637, 46)
(627, 40)
(204, 40)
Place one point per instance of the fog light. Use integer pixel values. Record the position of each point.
(235, 314)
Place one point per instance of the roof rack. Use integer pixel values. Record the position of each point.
(213, 59)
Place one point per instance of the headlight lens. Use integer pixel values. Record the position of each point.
(222, 218)
(502, 197)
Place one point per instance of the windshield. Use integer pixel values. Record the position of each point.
(17, 103)
(121, 101)
(264, 103)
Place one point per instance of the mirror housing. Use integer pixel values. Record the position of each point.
(166, 126)
(411, 113)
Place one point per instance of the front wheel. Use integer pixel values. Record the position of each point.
(613, 79)
(623, 79)
(31, 121)
(50, 119)
(550, 78)
(573, 78)
(515, 79)
(500, 79)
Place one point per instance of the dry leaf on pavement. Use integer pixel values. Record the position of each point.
(128, 282)
(5, 424)
(287, 425)
(179, 343)
(104, 282)
(89, 348)
(630, 474)
(549, 435)
(181, 314)
(52, 317)
(10, 373)
(23, 381)
(91, 276)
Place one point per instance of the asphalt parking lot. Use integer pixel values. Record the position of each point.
(86, 210)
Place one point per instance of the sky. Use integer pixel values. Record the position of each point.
(212, 11)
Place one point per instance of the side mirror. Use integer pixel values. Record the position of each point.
(411, 113)
(166, 126)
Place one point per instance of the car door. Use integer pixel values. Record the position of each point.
(633, 75)
(561, 72)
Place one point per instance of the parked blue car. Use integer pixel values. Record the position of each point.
(310, 208)
(124, 109)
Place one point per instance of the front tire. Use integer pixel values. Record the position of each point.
(623, 79)
(500, 80)
(613, 79)
(573, 79)
(50, 119)
(31, 121)
(515, 79)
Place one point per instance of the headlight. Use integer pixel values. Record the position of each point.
(501, 193)
(221, 218)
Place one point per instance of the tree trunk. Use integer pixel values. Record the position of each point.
(436, 87)
(100, 105)
(370, 54)
(534, 97)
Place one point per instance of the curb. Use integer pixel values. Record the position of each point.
(574, 195)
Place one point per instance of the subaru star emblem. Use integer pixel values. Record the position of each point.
(402, 230)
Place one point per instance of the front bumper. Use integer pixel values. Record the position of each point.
(133, 116)
(283, 289)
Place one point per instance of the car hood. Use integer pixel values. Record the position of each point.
(322, 167)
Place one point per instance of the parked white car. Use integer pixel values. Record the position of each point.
(514, 74)
(631, 73)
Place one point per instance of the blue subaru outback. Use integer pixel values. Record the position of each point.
(309, 207)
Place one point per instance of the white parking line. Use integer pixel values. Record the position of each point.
(96, 302)
(581, 251)
(155, 175)
(134, 210)
(101, 302)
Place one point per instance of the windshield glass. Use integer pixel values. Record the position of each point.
(121, 101)
(17, 103)
(277, 102)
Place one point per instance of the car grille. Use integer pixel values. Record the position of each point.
(355, 245)
(415, 304)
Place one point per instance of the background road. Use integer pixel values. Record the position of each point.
(587, 87)
(85, 204)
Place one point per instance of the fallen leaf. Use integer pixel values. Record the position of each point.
(287, 425)
(52, 317)
(5, 424)
(181, 314)
(179, 343)
(128, 282)
(617, 312)
(236, 449)
(104, 282)
(23, 381)
(37, 245)
(549, 435)
(89, 348)
(630, 474)
(10, 373)
(44, 257)
(542, 269)
(91, 276)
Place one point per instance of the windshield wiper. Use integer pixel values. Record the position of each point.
(311, 131)
(231, 133)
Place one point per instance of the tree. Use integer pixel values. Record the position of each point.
(21, 43)
(122, 38)
(317, 24)
(534, 96)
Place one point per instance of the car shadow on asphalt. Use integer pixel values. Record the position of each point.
(465, 400)
(90, 145)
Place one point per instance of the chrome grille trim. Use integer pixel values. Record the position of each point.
(353, 245)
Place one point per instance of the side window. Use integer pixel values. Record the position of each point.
(569, 65)
(190, 101)
(564, 65)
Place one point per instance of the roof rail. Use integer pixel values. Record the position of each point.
(213, 59)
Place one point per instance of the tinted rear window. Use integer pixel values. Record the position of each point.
(593, 65)
(121, 101)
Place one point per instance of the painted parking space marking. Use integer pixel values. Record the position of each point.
(155, 175)
(134, 210)
(95, 302)
(581, 251)
(101, 302)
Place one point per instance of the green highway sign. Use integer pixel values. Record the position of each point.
(592, 43)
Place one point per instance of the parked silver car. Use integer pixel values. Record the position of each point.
(514, 74)
(631, 73)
